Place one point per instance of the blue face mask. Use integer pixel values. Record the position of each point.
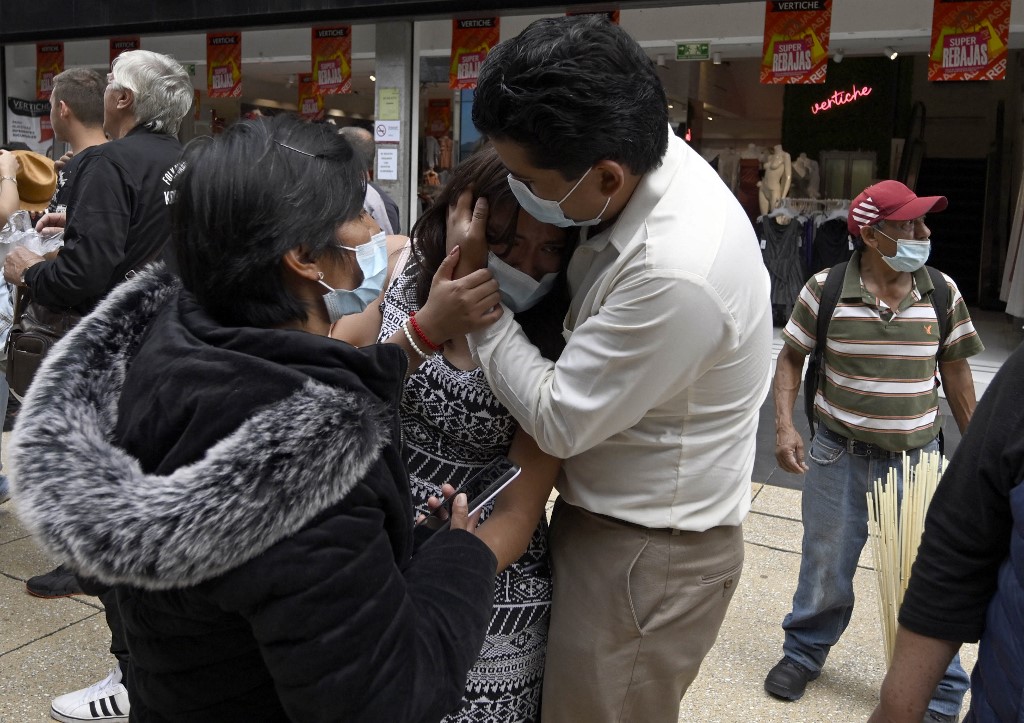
(547, 211)
(372, 258)
(911, 254)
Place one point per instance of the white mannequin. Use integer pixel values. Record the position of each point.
(778, 174)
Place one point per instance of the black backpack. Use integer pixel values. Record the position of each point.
(814, 378)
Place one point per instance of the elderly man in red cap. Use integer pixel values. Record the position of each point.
(893, 321)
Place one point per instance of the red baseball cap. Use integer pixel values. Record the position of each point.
(889, 201)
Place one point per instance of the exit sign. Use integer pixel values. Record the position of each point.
(693, 51)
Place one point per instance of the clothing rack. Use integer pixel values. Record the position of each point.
(793, 207)
(822, 201)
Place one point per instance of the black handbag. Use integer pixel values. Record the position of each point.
(34, 332)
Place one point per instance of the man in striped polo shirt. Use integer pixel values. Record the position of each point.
(879, 399)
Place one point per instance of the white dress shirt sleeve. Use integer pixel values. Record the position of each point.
(652, 337)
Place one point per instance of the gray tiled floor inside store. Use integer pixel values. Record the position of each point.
(50, 647)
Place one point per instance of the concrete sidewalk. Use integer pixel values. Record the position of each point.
(51, 647)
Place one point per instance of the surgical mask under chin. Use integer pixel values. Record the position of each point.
(519, 291)
(547, 211)
(372, 258)
(910, 255)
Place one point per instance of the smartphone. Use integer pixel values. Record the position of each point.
(490, 480)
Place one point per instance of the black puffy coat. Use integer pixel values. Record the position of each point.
(243, 490)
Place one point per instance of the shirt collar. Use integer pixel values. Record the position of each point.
(652, 188)
(853, 288)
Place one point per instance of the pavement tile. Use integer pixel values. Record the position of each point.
(10, 526)
(778, 501)
(24, 619)
(21, 559)
(779, 533)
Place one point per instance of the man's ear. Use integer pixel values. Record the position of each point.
(613, 176)
(125, 98)
(867, 235)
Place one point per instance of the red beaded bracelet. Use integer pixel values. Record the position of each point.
(419, 332)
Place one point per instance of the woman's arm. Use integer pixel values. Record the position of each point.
(518, 509)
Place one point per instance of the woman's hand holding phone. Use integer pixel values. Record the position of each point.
(458, 519)
(489, 480)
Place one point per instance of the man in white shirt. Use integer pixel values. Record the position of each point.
(654, 402)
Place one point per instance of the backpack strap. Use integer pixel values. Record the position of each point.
(830, 293)
(940, 300)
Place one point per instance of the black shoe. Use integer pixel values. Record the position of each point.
(60, 582)
(787, 680)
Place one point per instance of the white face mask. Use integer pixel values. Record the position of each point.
(519, 291)
(547, 211)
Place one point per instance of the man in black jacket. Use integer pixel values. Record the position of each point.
(116, 222)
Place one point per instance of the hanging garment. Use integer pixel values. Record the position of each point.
(780, 250)
(831, 245)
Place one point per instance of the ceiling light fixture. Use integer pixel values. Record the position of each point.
(710, 118)
(716, 58)
(670, 106)
(838, 56)
(890, 53)
(373, 78)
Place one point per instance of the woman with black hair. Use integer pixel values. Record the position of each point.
(235, 475)
(453, 425)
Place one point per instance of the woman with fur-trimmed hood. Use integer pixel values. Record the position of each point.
(233, 476)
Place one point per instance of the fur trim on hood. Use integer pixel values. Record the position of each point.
(88, 502)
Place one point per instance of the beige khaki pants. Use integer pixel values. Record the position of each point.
(634, 613)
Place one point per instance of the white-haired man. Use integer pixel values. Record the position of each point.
(116, 221)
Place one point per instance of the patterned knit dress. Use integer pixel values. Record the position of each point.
(453, 425)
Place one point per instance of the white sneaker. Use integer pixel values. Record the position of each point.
(103, 701)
